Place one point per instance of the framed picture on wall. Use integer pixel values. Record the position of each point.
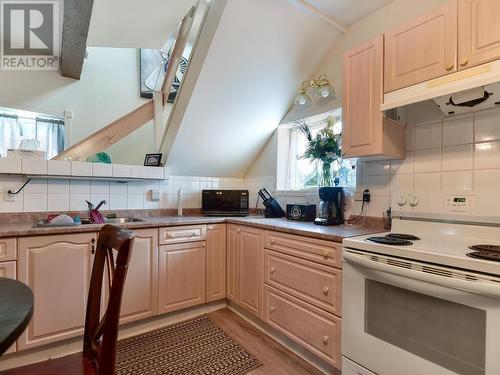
(153, 66)
(152, 160)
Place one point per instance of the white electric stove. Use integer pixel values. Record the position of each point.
(419, 299)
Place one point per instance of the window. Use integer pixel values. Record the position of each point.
(31, 131)
(301, 174)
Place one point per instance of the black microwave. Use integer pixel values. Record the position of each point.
(224, 202)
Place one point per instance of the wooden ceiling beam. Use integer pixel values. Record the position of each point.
(74, 36)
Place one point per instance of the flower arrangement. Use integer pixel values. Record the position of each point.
(325, 147)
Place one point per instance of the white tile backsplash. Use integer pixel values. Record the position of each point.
(458, 131)
(428, 136)
(456, 153)
(456, 158)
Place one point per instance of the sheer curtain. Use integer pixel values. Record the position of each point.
(50, 134)
(10, 133)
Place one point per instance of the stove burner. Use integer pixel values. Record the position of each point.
(390, 241)
(403, 236)
(485, 255)
(487, 248)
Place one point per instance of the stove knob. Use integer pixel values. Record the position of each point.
(414, 201)
(402, 201)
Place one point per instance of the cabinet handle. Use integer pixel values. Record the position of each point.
(272, 308)
(210, 227)
(273, 242)
(326, 254)
(325, 290)
(325, 340)
(93, 246)
(272, 270)
(465, 63)
(450, 67)
(239, 230)
(204, 244)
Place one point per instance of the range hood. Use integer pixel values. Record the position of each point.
(465, 91)
(471, 100)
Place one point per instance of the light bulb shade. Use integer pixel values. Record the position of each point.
(324, 91)
(302, 99)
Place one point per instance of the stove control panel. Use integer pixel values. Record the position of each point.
(458, 203)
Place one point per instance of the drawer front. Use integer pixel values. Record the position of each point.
(8, 249)
(313, 328)
(351, 368)
(181, 234)
(324, 252)
(8, 270)
(312, 282)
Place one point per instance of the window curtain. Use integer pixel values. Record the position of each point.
(10, 133)
(50, 134)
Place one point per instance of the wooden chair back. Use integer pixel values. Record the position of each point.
(100, 336)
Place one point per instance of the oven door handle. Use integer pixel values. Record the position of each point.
(474, 286)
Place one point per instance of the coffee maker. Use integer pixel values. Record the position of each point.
(331, 207)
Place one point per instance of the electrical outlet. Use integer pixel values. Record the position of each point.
(8, 197)
(155, 195)
(358, 196)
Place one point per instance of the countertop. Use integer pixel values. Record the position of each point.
(330, 233)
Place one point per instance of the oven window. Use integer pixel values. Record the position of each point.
(446, 333)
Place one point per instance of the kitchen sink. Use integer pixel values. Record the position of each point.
(85, 221)
(122, 220)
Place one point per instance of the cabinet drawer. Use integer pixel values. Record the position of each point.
(315, 329)
(317, 284)
(325, 252)
(186, 233)
(8, 249)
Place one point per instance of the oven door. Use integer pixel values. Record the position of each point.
(397, 321)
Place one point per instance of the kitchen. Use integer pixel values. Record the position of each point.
(349, 226)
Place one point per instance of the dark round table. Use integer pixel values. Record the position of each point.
(16, 309)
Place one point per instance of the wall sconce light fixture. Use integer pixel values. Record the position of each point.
(320, 86)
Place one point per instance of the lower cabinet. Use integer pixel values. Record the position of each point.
(313, 328)
(181, 276)
(140, 293)
(57, 269)
(216, 262)
(245, 269)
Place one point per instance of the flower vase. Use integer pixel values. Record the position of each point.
(326, 178)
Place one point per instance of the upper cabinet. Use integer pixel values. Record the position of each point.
(423, 48)
(478, 32)
(366, 133)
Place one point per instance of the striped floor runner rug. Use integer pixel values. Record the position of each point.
(197, 346)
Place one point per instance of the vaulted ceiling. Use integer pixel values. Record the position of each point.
(135, 23)
(348, 12)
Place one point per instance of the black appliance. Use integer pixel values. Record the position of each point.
(331, 207)
(224, 202)
(301, 212)
(273, 208)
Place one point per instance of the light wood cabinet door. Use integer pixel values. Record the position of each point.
(8, 249)
(182, 276)
(140, 293)
(422, 49)
(478, 32)
(216, 262)
(57, 269)
(366, 133)
(251, 269)
(8, 271)
(232, 263)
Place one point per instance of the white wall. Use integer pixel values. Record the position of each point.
(108, 89)
(382, 20)
(261, 51)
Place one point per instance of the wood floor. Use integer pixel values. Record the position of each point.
(276, 358)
